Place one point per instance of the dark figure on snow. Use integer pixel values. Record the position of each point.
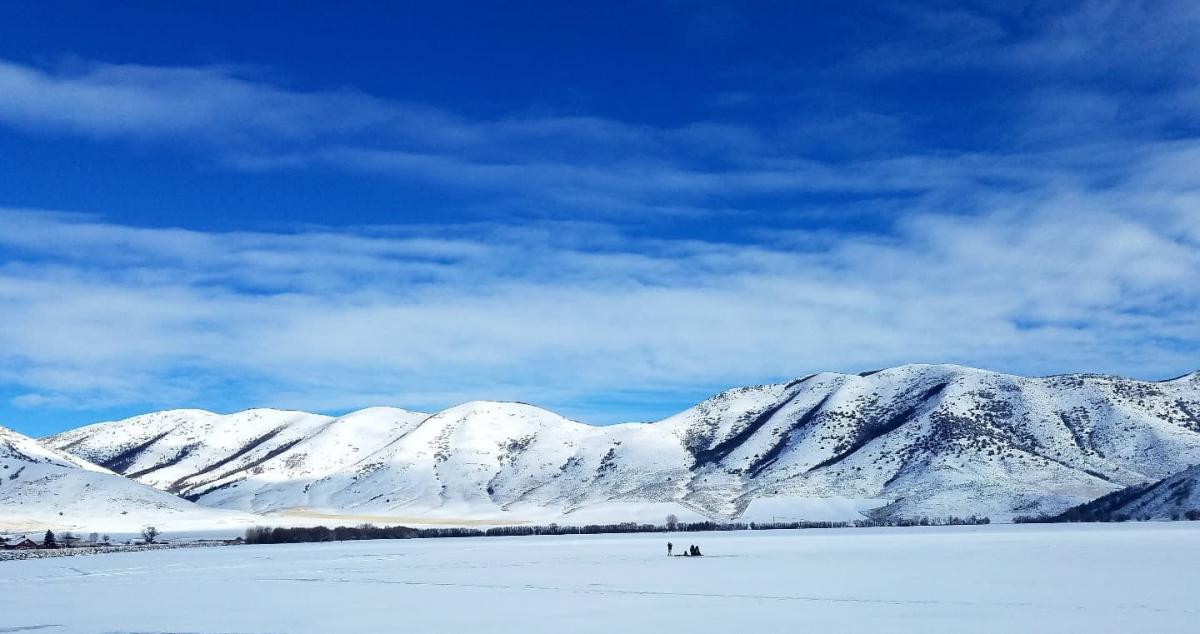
(669, 547)
(695, 551)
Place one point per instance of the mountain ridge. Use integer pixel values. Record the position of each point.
(928, 439)
(43, 488)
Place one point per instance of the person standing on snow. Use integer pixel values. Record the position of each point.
(669, 547)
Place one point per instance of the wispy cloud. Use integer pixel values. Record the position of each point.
(1064, 112)
(1075, 70)
(248, 122)
(237, 110)
(542, 165)
(563, 313)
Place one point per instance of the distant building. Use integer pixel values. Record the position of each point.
(23, 544)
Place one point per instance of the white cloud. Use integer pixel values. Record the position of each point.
(565, 313)
(543, 165)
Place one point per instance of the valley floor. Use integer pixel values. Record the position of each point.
(1035, 578)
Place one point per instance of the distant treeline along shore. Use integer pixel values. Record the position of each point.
(281, 535)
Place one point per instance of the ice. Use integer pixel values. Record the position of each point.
(1000, 578)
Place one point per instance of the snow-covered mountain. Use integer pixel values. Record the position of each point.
(44, 488)
(194, 452)
(922, 439)
(1174, 497)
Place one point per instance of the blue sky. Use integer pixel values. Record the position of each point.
(609, 209)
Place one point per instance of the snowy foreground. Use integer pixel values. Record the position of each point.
(1070, 578)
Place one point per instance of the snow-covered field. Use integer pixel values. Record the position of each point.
(1032, 578)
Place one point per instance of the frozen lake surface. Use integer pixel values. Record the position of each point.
(1093, 578)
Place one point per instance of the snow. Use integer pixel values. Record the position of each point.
(465, 515)
(616, 512)
(41, 488)
(1173, 496)
(931, 440)
(186, 450)
(796, 509)
(1093, 578)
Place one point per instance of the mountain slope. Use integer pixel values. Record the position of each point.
(191, 452)
(45, 488)
(929, 439)
(1175, 497)
(943, 439)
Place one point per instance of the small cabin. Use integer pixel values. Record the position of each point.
(24, 544)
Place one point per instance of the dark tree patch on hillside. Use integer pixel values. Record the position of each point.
(722, 449)
(179, 484)
(781, 443)
(122, 461)
(176, 459)
(879, 427)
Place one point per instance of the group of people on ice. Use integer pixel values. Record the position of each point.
(692, 551)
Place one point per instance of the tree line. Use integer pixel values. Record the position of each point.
(294, 535)
(1086, 514)
(69, 539)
